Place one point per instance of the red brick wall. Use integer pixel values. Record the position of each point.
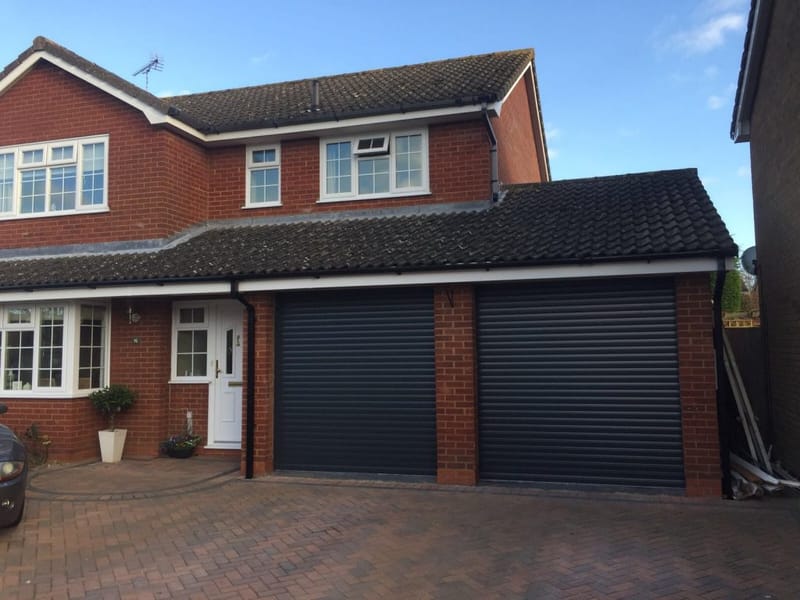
(456, 410)
(697, 375)
(263, 447)
(145, 367)
(775, 158)
(157, 182)
(516, 148)
(459, 171)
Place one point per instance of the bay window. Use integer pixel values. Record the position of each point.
(53, 348)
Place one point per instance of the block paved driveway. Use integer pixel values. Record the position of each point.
(194, 529)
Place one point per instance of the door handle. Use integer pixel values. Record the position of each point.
(216, 369)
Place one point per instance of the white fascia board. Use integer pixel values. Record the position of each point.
(499, 104)
(121, 291)
(541, 273)
(620, 269)
(359, 122)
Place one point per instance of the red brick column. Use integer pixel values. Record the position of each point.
(456, 410)
(698, 385)
(263, 457)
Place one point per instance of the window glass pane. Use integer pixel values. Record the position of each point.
(229, 352)
(51, 333)
(191, 353)
(31, 157)
(17, 315)
(337, 168)
(408, 161)
(32, 191)
(62, 153)
(264, 186)
(373, 175)
(6, 182)
(264, 156)
(91, 355)
(18, 367)
(191, 315)
(93, 179)
(62, 188)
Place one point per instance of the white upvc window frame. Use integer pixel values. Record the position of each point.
(177, 327)
(254, 166)
(387, 149)
(70, 349)
(48, 164)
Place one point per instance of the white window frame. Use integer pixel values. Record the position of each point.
(178, 326)
(48, 164)
(388, 149)
(254, 166)
(70, 347)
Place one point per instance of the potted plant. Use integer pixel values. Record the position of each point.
(180, 446)
(111, 401)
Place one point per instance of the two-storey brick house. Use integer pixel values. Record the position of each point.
(369, 272)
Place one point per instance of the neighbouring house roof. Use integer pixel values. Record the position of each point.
(470, 80)
(755, 41)
(659, 215)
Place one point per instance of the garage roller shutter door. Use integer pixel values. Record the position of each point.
(579, 383)
(355, 382)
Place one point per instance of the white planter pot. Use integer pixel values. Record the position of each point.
(111, 444)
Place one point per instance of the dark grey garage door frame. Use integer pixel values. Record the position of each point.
(355, 382)
(578, 383)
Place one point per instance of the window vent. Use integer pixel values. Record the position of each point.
(372, 146)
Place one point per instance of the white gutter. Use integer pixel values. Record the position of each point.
(478, 276)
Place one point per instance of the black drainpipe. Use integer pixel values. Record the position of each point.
(251, 372)
(493, 154)
(722, 395)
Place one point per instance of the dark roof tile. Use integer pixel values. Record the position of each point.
(665, 214)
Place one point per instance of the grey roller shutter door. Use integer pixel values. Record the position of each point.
(356, 382)
(578, 383)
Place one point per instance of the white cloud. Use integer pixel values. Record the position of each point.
(709, 35)
(715, 102)
(743, 171)
(552, 133)
(261, 58)
(553, 153)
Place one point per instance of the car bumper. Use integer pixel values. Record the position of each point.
(12, 500)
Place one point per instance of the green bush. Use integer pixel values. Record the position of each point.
(112, 400)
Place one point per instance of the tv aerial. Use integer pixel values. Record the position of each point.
(156, 64)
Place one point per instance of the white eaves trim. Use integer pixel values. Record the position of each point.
(542, 273)
(157, 117)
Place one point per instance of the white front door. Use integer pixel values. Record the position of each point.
(225, 393)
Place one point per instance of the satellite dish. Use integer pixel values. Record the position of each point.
(749, 262)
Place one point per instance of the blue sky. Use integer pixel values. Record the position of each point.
(625, 85)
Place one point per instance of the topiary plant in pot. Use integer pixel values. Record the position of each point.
(111, 401)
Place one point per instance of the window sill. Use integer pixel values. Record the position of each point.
(263, 205)
(64, 213)
(374, 197)
(40, 395)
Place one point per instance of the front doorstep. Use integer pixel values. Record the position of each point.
(111, 444)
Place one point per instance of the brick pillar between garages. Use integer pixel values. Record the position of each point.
(456, 410)
(698, 385)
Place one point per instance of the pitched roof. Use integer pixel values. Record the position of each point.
(470, 80)
(665, 214)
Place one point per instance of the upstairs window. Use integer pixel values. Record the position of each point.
(374, 166)
(60, 177)
(263, 176)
